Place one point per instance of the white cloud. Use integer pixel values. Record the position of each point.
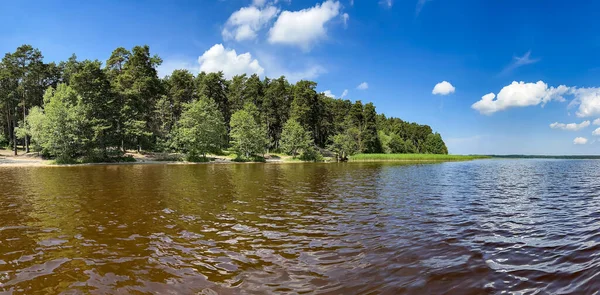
(580, 140)
(596, 122)
(518, 62)
(245, 23)
(588, 100)
(420, 5)
(596, 132)
(570, 126)
(310, 72)
(345, 18)
(386, 3)
(344, 93)
(363, 86)
(328, 93)
(293, 69)
(520, 94)
(305, 27)
(259, 3)
(443, 88)
(217, 58)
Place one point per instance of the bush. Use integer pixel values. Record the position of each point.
(3, 141)
(192, 157)
(311, 155)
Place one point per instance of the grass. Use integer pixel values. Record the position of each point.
(413, 157)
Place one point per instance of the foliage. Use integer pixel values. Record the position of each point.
(294, 138)
(397, 145)
(97, 113)
(62, 129)
(435, 145)
(311, 154)
(200, 129)
(248, 136)
(345, 144)
(3, 141)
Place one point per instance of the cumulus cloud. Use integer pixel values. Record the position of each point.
(344, 93)
(580, 140)
(588, 100)
(520, 94)
(596, 132)
(217, 58)
(328, 93)
(245, 23)
(596, 122)
(363, 86)
(305, 27)
(570, 126)
(443, 88)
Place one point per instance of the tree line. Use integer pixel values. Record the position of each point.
(86, 109)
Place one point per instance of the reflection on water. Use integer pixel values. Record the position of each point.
(463, 228)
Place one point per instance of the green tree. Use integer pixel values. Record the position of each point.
(201, 128)
(248, 136)
(98, 100)
(384, 140)
(133, 75)
(397, 145)
(294, 138)
(276, 108)
(306, 107)
(370, 137)
(26, 68)
(63, 129)
(435, 145)
(236, 92)
(215, 87)
(35, 126)
(345, 144)
(181, 90)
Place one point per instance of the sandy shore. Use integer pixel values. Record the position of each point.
(8, 159)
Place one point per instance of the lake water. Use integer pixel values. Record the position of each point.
(486, 226)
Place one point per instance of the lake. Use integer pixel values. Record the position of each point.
(484, 226)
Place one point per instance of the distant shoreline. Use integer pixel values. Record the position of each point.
(565, 157)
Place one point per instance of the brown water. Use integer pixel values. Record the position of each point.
(521, 226)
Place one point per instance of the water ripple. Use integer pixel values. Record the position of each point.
(490, 226)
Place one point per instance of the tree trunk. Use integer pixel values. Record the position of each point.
(26, 140)
(8, 124)
(14, 136)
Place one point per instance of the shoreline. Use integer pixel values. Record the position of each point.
(33, 160)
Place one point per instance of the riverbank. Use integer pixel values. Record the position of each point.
(33, 159)
(7, 159)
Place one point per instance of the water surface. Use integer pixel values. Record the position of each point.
(487, 226)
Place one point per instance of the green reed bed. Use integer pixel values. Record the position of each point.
(413, 157)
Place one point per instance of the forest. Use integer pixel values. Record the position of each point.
(86, 109)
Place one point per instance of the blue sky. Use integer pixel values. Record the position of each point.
(400, 49)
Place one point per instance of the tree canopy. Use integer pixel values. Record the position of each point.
(79, 108)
